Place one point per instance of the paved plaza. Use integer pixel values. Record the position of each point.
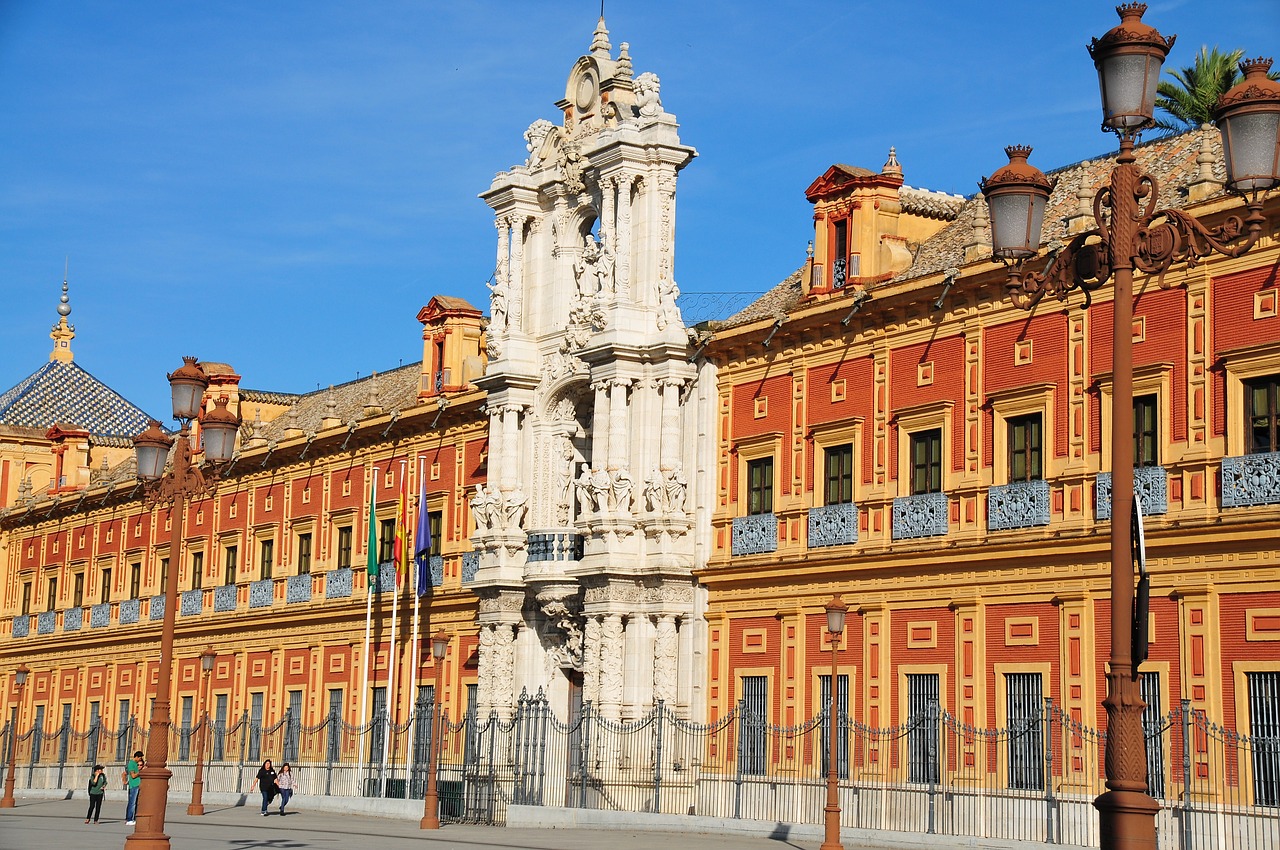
(56, 824)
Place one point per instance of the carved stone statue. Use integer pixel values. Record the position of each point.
(622, 486)
(480, 509)
(668, 312)
(586, 494)
(516, 508)
(564, 481)
(655, 493)
(535, 137)
(676, 487)
(648, 89)
(497, 306)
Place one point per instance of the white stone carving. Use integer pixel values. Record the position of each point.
(483, 506)
(535, 139)
(515, 509)
(497, 306)
(666, 651)
(564, 479)
(620, 491)
(648, 89)
(593, 271)
(668, 312)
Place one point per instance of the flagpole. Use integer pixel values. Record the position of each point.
(369, 581)
(393, 703)
(413, 654)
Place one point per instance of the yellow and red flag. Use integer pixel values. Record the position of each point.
(400, 551)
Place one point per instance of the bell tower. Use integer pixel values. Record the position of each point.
(585, 530)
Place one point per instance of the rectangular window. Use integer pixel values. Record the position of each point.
(1153, 725)
(1023, 699)
(231, 564)
(379, 731)
(51, 600)
(386, 540)
(344, 547)
(842, 729)
(106, 586)
(1026, 448)
(926, 462)
(840, 254)
(267, 556)
(124, 730)
(304, 554)
(1264, 729)
(923, 704)
(839, 474)
(184, 730)
(37, 735)
(293, 727)
(1262, 413)
(435, 522)
(135, 581)
(219, 727)
(333, 731)
(255, 727)
(95, 729)
(64, 737)
(1146, 432)
(753, 725)
(164, 575)
(197, 570)
(760, 486)
(26, 598)
(77, 593)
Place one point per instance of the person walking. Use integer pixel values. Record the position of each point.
(284, 783)
(133, 782)
(97, 790)
(265, 782)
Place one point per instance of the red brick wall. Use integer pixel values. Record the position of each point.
(1233, 324)
(859, 401)
(1047, 334)
(1232, 609)
(1045, 651)
(942, 652)
(777, 391)
(947, 356)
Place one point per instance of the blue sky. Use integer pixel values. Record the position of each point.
(283, 185)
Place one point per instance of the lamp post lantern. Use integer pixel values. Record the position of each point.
(431, 802)
(207, 658)
(19, 680)
(836, 610)
(1131, 233)
(175, 487)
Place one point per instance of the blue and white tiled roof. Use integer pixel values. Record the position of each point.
(64, 392)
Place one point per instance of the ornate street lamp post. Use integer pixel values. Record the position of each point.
(836, 610)
(19, 679)
(431, 803)
(197, 785)
(1132, 233)
(181, 482)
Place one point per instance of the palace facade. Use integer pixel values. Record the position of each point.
(626, 510)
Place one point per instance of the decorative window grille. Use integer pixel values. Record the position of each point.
(842, 730)
(922, 734)
(1023, 700)
(1264, 728)
(753, 725)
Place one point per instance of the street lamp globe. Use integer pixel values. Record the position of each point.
(836, 610)
(439, 644)
(1128, 59)
(218, 432)
(20, 675)
(152, 450)
(187, 386)
(207, 658)
(1016, 198)
(1249, 117)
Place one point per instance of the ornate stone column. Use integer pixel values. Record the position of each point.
(504, 238)
(618, 422)
(591, 660)
(516, 310)
(608, 224)
(484, 680)
(612, 652)
(599, 424)
(622, 250)
(510, 441)
(666, 653)
(496, 447)
(670, 446)
(504, 668)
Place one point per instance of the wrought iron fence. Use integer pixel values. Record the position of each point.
(1034, 780)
